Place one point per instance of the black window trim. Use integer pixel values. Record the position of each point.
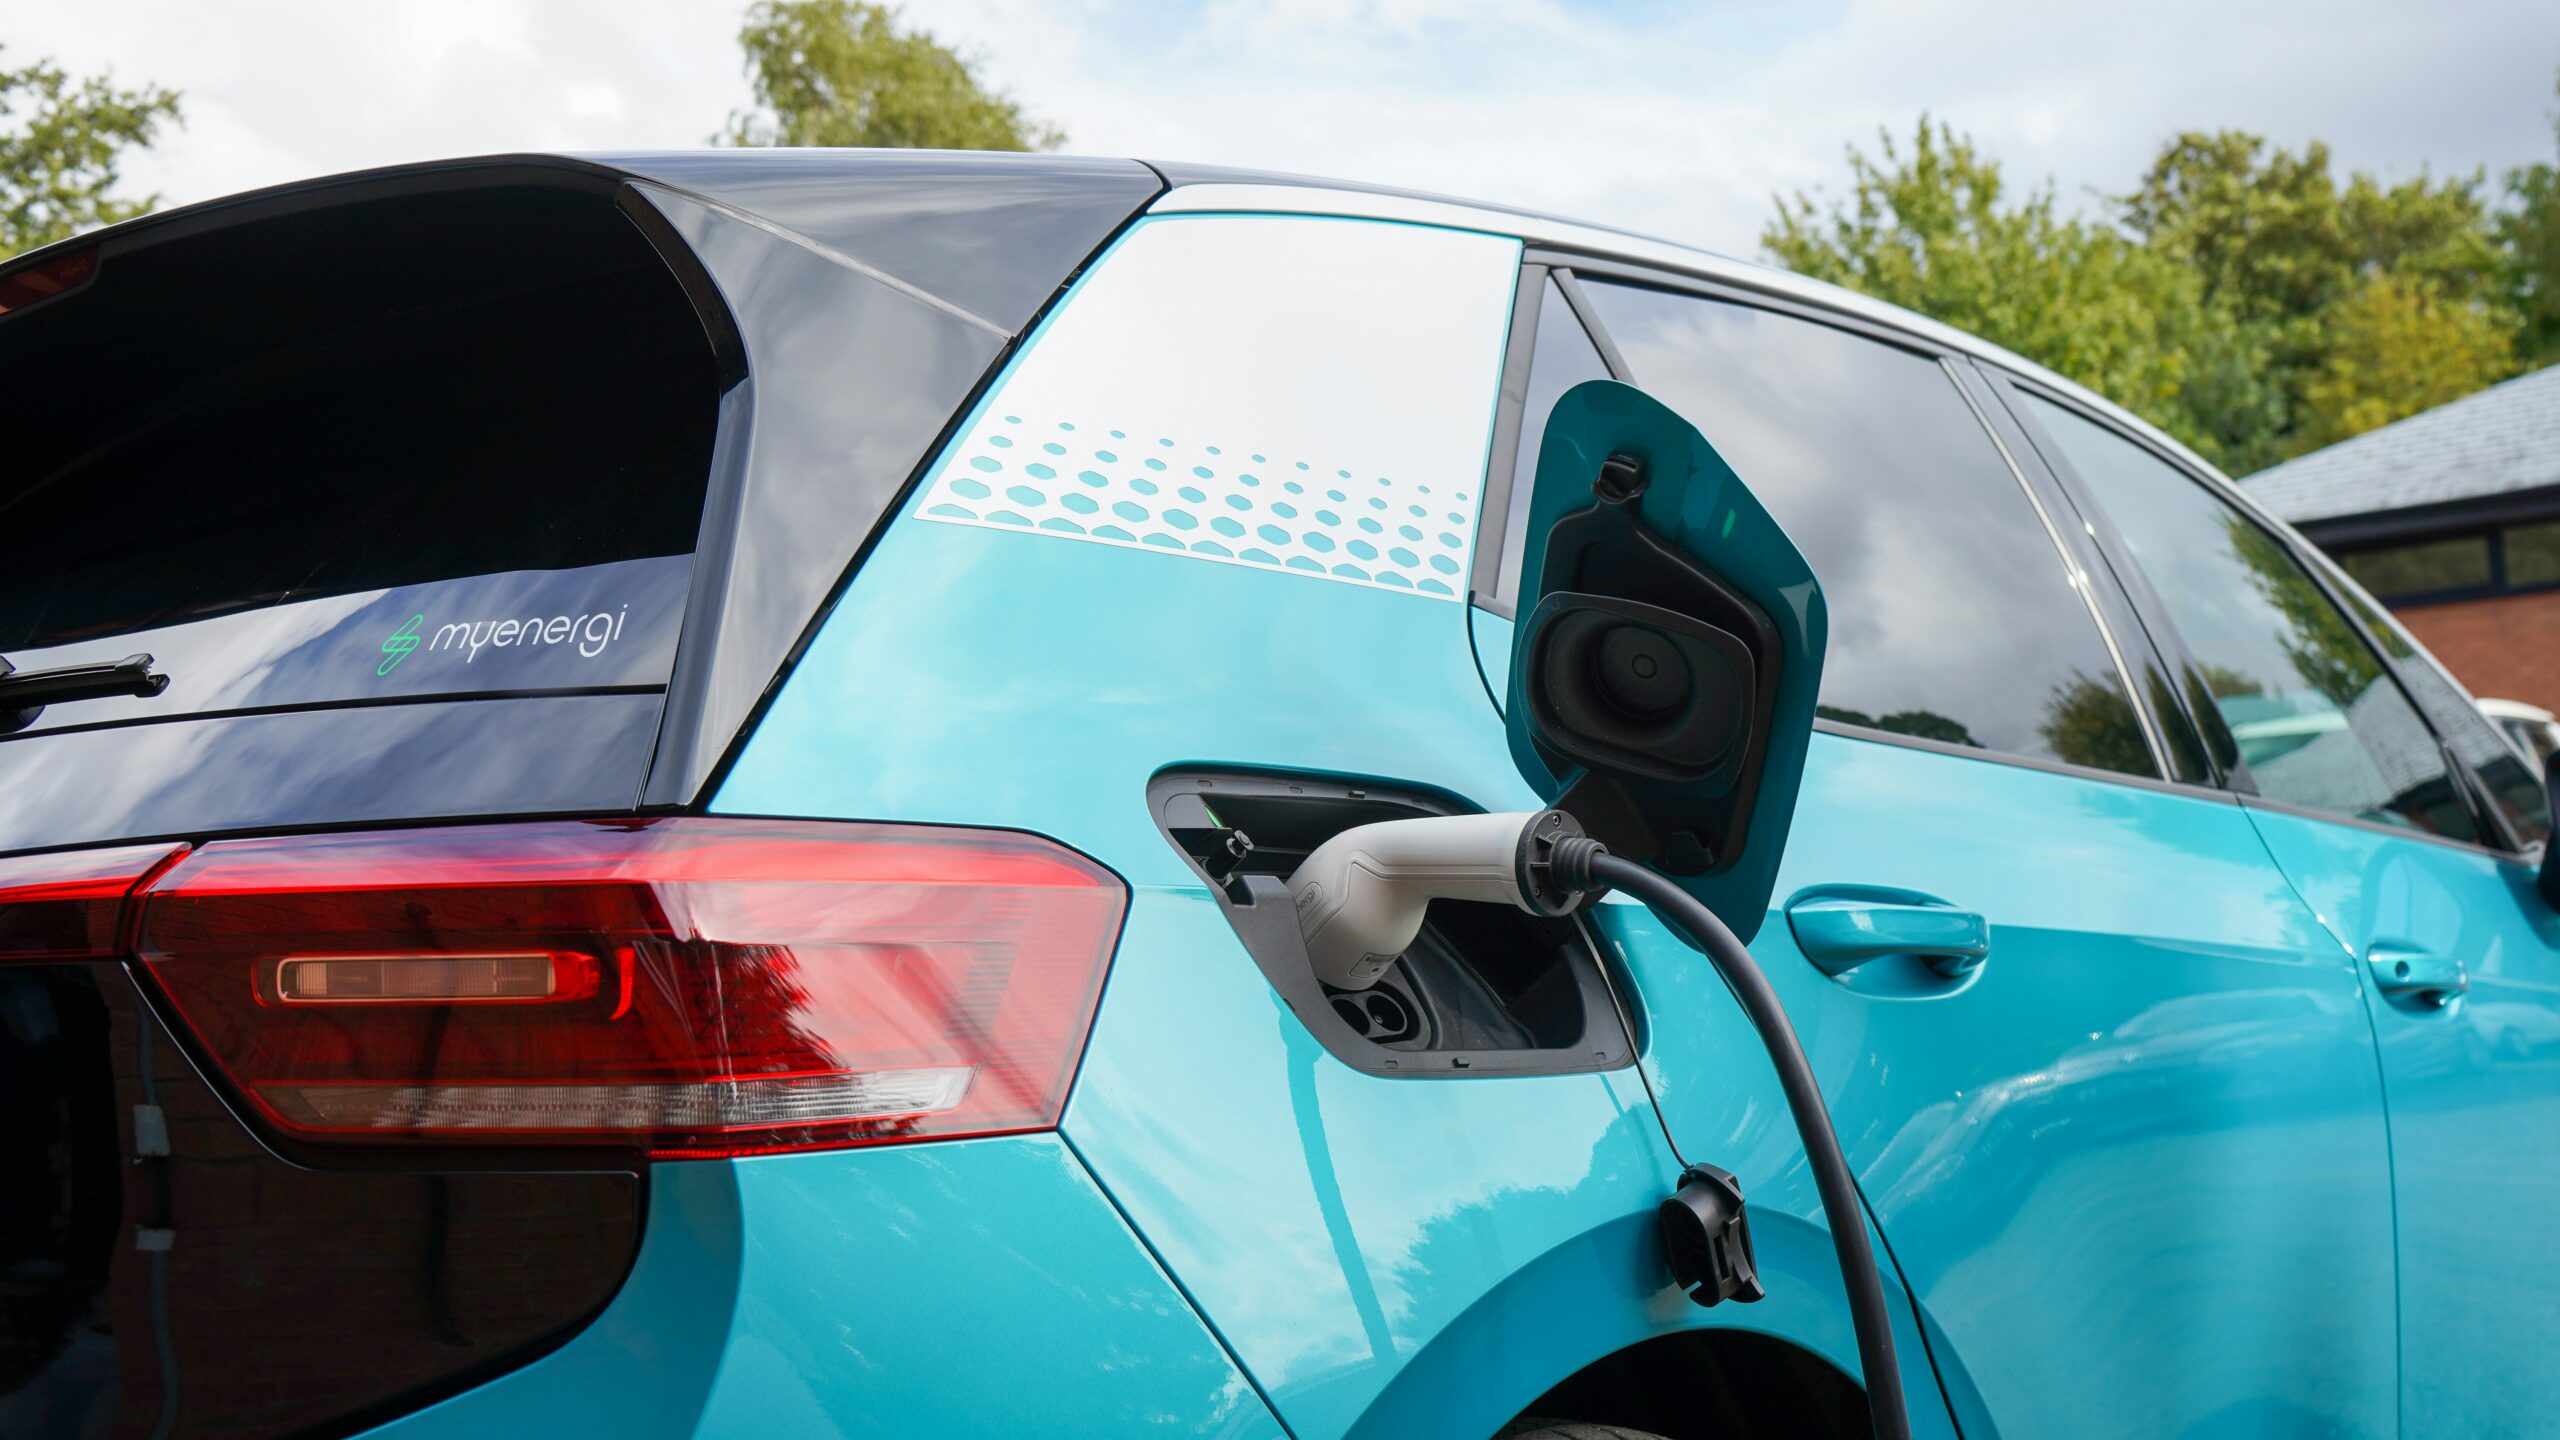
(1565, 265)
(1493, 516)
(2482, 809)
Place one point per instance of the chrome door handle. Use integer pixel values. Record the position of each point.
(2417, 978)
(1842, 928)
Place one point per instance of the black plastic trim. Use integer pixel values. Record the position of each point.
(1503, 456)
(361, 702)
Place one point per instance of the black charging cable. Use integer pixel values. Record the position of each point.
(1585, 865)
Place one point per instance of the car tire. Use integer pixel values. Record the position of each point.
(1570, 1430)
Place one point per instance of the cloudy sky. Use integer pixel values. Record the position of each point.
(1676, 119)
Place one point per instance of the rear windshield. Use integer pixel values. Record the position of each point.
(442, 443)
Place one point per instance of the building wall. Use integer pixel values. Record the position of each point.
(2507, 646)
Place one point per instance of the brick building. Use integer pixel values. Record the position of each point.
(2452, 518)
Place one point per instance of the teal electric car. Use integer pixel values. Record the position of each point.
(679, 795)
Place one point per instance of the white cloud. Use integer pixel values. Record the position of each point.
(1675, 120)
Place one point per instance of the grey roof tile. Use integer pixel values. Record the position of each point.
(2502, 439)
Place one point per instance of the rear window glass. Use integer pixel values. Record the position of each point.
(446, 443)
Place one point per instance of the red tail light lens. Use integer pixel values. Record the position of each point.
(70, 905)
(690, 986)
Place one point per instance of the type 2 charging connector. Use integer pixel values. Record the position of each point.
(1360, 900)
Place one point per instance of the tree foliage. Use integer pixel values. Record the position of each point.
(62, 144)
(2529, 234)
(845, 72)
(2241, 297)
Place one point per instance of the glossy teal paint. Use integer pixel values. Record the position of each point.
(2134, 1167)
(1692, 501)
(1381, 1256)
(2474, 1092)
(1333, 1228)
(823, 1295)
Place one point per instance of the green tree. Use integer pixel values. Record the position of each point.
(2393, 347)
(845, 72)
(2338, 287)
(2529, 234)
(62, 145)
(2241, 297)
(1929, 229)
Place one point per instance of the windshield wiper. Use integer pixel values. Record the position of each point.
(25, 693)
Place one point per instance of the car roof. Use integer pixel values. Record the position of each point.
(731, 176)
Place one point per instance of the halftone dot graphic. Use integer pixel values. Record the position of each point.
(1013, 419)
(1275, 532)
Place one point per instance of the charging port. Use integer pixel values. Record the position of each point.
(1483, 989)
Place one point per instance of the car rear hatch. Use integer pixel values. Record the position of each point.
(486, 489)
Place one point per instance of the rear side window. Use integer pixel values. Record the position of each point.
(1952, 616)
(2504, 776)
(2315, 718)
(447, 443)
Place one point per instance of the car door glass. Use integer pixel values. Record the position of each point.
(2317, 721)
(2510, 783)
(1952, 616)
(1563, 358)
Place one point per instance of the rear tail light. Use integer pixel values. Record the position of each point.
(689, 986)
(70, 906)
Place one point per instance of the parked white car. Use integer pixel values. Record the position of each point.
(2534, 730)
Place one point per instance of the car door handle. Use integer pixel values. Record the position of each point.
(1842, 928)
(2417, 978)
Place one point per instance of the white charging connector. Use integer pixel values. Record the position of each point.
(1361, 896)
